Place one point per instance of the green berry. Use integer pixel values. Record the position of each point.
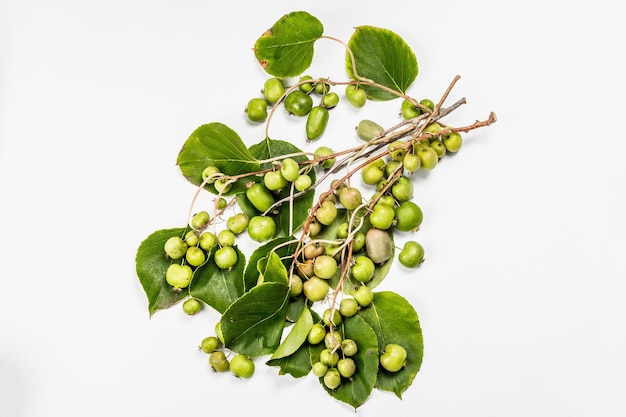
(209, 344)
(316, 334)
(191, 306)
(218, 361)
(411, 255)
(303, 182)
(195, 256)
(256, 110)
(175, 247)
(260, 197)
(394, 357)
(179, 276)
(316, 122)
(200, 219)
(298, 103)
(226, 238)
(409, 216)
(367, 130)
(274, 181)
(332, 379)
(323, 151)
(346, 367)
(453, 142)
(273, 89)
(289, 169)
(319, 369)
(364, 295)
(315, 289)
(207, 240)
(306, 87)
(325, 266)
(237, 223)
(225, 257)
(428, 157)
(378, 245)
(409, 110)
(261, 228)
(348, 307)
(363, 269)
(241, 366)
(356, 96)
(210, 174)
(330, 100)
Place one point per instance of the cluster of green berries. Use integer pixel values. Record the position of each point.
(335, 362)
(239, 365)
(297, 101)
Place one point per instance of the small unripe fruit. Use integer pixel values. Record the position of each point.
(348, 307)
(325, 266)
(378, 245)
(208, 174)
(364, 296)
(225, 257)
(175, 247)
(349, 347)
(316, 334)
(241, 366)
(332, 379)
(256, 110)
(346, 367)
(319, 369)
(303, 182)
(323, 151)
(394, 357)
(261, 228)
(209, 344)
(315, 289)
(409, 216)
(218, 361)
(226, 238)
(195, 256)
(200, 219)
(453, 142)
(411, 255)
(356, 96)
(260, 197)
(273, 89)
(367, 130)
(178, 276)
(289, 169)
(237, 223)
(332, 317)
(191, 306)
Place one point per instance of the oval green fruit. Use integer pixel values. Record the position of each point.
(316, 122)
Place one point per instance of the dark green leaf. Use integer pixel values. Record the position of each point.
(251, 274)
(217, 287)
(286, 224)
(151, 264)
(384, 57)
(356, 391)
(271, 269)
(298, 364)
(286, 49)
(296, 337)
(395, 321)
(253, 324)
(216, 144)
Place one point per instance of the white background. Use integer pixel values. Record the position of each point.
(521, 298)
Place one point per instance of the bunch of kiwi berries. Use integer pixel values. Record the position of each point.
(316, 262)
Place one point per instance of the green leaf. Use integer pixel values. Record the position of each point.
(290, 218)
(251, 273)
(298, 364)
(384, 57)
(151, 264)
(395, 321)
(296, 337)
(330, 233)
(356, 390)
(253, 324)
(271, 269)
(216, 144)
(286, 49)
(217, 287)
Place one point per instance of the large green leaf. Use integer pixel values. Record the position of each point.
(151, 264)
(290, 218)
(286, 49)
(296, 337)
(253, 324)
(298, 364)
(251, 273)
(330, 233)
(218, 287)
(395, 320)
(384, 57)
(216, 144)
